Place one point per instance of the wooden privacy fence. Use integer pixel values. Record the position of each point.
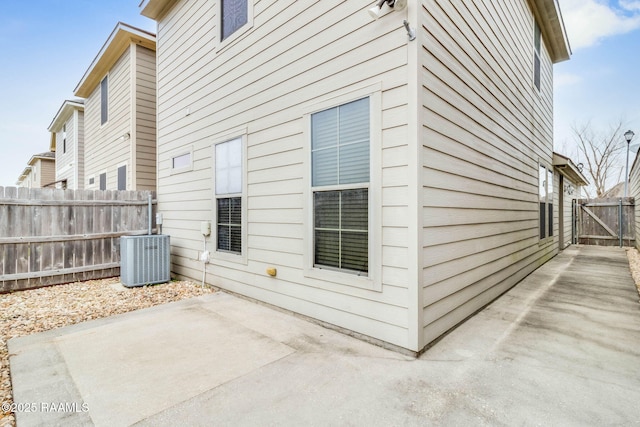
(605, 222)
(50, 236)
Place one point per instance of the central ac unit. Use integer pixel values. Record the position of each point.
(144, 260)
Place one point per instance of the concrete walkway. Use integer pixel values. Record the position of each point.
(561, 348)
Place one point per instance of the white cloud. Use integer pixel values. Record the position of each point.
(590, 21)
(630, 4)
(565, 79)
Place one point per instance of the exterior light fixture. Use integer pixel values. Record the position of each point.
(628, 136)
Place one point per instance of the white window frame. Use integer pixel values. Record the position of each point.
(222, 44)
(537, 54)
(176, 154)
(327, 278)
(223, 257)
(126, 177)
(106, 77)
(548, 191)
(106, 180)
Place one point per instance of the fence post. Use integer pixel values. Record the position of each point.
(621, 225)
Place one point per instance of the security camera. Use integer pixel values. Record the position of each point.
(376, 10)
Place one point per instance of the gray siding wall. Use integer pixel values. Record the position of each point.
(145, 119)
(485, 129)
(106, 146)
(462, 132)
(260, 85)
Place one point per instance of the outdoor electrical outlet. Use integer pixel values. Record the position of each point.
(204, 257)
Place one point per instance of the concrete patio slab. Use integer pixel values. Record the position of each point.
(560, 348)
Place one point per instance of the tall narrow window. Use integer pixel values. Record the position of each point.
(234, 15)
(228, 176)
(545, 189)
(122, 177)
(550, 202)
(340, 153)
(64, 138)
(104, 100)
(536, 55)
(103, 181)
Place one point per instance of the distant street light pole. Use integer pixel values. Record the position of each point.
(628, 135)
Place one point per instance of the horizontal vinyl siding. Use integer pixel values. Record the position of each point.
(485, 129)
(105, 149)
(145, 119)
(46, 172)
(79, 146)
(65, 161)
(295, 55)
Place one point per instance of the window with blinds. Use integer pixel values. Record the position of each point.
(234, 15)
(228, 185)
(340, 158)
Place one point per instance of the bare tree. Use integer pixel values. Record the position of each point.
(601, 151)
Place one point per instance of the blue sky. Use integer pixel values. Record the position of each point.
(47, 45)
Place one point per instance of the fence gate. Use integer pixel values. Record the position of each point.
(605, 222)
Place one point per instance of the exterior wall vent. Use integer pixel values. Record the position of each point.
(145, 260)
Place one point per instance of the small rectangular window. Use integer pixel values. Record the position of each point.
(104, 100)
(122, 177)
(92, 180)
(234, 14)
(182, 161)
(228, 190)
(103, 181)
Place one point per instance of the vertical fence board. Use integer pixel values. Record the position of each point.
(606, 222)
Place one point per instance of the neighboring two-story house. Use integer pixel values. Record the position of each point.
(390, 176)
(119, 88)
(67, 141)
(40, 171)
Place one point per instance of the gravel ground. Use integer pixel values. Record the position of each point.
(634, 265)
(37, 310)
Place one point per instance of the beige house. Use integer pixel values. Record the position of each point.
(40, 171)
(387, 179)
(67, 141)
(119, 88)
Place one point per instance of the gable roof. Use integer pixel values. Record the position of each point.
(64, 112)
(549, 18)
(48, 155)
(119, 40)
